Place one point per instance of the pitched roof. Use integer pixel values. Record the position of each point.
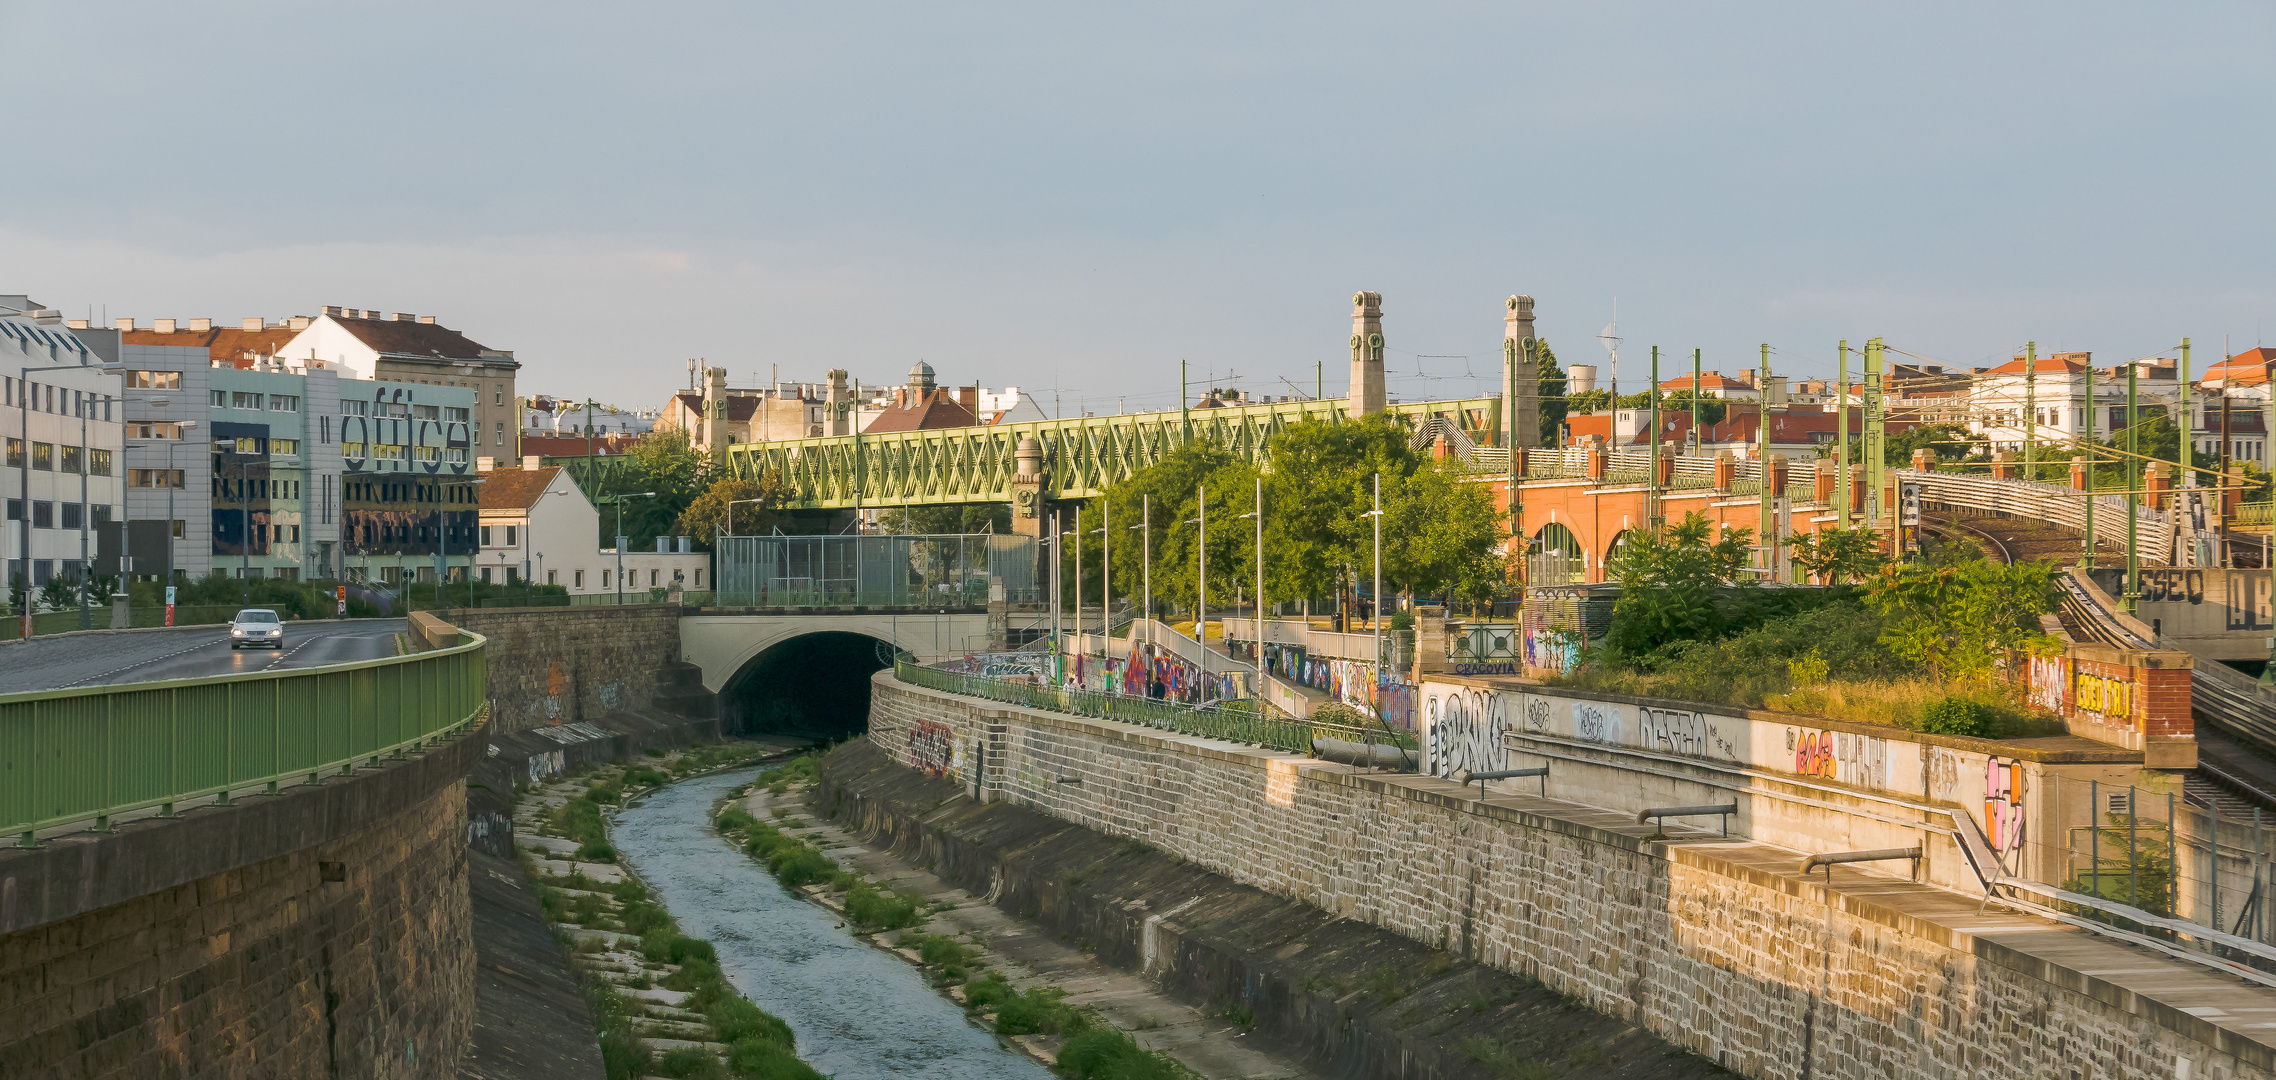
(1713, 380)
(938, 409)
(2059, 363)
(399, 338)
(739, 407)
(515, 489)
(230, 345)
(2245, 368)
(574, 445)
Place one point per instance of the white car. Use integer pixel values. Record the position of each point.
(256, 626)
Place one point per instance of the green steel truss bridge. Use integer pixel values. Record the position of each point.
(1082, 456)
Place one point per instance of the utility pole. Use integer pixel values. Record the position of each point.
(1769, 519)
(1652, 477)
(1201, 584)
(1841, 442)
(2188, 477)
(1874, 434)
(1260, 571)
(1516, 477)
(2133, 485)
(1078, 577)
(2031, 408)
(2087, 560)
(1377, 611)
(1146, 557)
(1693, 438)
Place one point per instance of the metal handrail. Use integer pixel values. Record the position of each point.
(1832, 858)
(1649, 814)
(92, 753)
(1213, 721)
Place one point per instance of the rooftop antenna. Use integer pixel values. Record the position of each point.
(1610, 336)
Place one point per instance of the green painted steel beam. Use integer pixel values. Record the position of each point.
(1082, 456)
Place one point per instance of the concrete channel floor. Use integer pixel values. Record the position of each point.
(2243, 1007)
(1211, 1046)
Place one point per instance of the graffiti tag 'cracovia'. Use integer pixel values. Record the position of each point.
(932, 746)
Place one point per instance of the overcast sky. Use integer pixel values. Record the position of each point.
(1073, 197)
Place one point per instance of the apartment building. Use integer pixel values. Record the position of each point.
(61, 426)
(537, 525)
(407, 348)
(2048, 402)
(409, 506)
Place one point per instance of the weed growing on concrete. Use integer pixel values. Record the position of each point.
(1107, 1053)
(1242, 1017)
(872, 909)
(1384, 983)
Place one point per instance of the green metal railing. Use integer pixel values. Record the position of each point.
(96, 752)
(1234, 722)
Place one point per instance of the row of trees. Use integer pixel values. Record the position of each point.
(1441, 534)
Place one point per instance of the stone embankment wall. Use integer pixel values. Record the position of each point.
(323, 932)
(1753, 968)
(568, 665)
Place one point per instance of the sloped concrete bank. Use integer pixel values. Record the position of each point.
(1358, 1001)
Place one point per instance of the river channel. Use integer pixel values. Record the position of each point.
(858, 1012)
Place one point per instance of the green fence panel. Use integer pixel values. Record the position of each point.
(69, 755)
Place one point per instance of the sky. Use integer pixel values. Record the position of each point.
(1073, 198)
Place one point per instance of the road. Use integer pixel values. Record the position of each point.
(56, 663)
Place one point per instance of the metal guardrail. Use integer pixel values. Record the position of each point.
(2053, 503)
(100, 751)
(1207, 721)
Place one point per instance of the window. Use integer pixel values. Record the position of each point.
(43, 514)
(387, 451)
(153, 429)
(178, 527)
(155, 478)
(651, 578)
(284, 403)
(455, 415)
(486, 539)
(284, 446)
(15, 509)
(240, 399)
(395, 409)
(15, 453)
(219, 399)
(510, 541)
(425, 412)
(249, 444)
(154, 380)
(296, 534)
(553, 577)
(74, 459)
(699, 580)
(430, 453)
(485, 575)
(352, 449)
(74, 515)
(43, 456)
(456, 455)
(499, 390)
(501, 439)
(577, 579)
(604, 579)
(355, 408)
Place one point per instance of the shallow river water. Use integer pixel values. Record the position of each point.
(858, 1012)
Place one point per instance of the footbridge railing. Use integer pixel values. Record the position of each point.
(2055, 504)
(93, 753)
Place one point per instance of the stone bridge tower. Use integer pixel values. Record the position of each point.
(1366, 355)
(1521, 374)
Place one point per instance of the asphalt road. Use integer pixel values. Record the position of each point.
(56, 663)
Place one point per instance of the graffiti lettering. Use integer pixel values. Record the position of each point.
(1680, 732)
(1466, 733)
(1943, 768)
(1537, 715)
(2108, 697)
(1840, 756)
(551, 763)
(2003, 804)
(1598, 723)
(932, 748)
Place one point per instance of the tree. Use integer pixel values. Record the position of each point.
(1948, 440)
(1712, 410)
(1441, 533)
(1552, 384)
(995, 517)
(1172, 487)
(1957, 617)
(710, 513)
(1319, 490)
(1668, 584)
(666, 463)
(1838, 556)
(1588, 401)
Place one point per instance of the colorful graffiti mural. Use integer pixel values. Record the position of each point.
(932, 748)
(2003, 804)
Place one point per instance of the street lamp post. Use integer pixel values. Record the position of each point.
(1377, 610)
(619, 501)
(1258, 514)
(1145, 529)
(24, 530)
(1201, 581)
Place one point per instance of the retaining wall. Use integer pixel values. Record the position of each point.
(567, 665)
(322, 932)
(1757, 969)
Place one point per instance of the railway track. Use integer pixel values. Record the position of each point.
(2236, 743)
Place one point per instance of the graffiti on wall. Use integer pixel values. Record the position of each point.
(1840, 756)
(2107, 696)
(1466, 732)
(2003, 804)
(1598, 722)
(1941, 779)
(1682, 732)
(547, 764)
(932, 748)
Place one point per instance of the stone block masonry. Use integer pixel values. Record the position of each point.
(324, 932)
(1717, 947)
(567, 665)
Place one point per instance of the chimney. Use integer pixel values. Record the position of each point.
(163, 326)
(200, 326)
(532, 462)
(485, 464)
(335, 311)
(427, 320)
(298, 322)
(1745, 377)
(968, 396)
(405, 316)
(122, 323)
(254, 323)
(75, 324)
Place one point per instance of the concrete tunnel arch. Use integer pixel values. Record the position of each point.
(798, 674)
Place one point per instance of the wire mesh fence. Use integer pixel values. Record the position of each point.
(1244, 721)
(875, 571)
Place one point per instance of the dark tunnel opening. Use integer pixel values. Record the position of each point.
(812, 686)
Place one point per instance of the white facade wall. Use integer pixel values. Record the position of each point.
(58, 402)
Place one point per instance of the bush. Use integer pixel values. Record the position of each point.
(874, 910)
(1955, 716)
(737, 1020)
(1106, 1053)
(596, 851)
(761, 1060)
(1038, 1010)
(800, 865)
(735, 819)
(987, 990)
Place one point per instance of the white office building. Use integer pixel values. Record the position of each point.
(61, 423)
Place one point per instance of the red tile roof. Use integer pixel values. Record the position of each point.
(398, 338)
(223, 344)
(574, 445)
(515, 489)
(938, 409)
(2060, 363)
(2245, 368)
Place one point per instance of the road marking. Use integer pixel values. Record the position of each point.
(274, 660)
